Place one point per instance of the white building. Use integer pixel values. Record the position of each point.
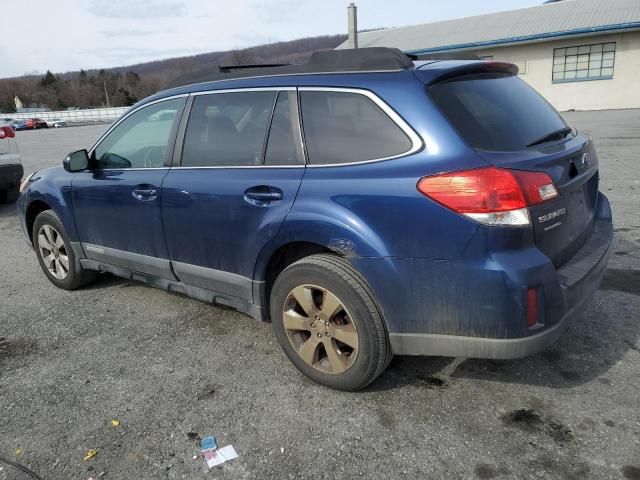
(579, 54)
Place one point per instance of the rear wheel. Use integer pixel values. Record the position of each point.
(55, 255)
(326, 321)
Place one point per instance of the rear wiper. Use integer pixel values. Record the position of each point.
(560, 133)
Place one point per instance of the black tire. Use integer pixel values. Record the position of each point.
(76, 276)
(336, 275)
(9, 195)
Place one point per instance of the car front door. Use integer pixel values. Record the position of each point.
(233, 188)
(117, 201)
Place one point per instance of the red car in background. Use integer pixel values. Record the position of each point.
(33, 123)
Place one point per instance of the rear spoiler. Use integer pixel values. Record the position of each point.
(471, 68)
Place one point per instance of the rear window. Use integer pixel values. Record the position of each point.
(496, 112)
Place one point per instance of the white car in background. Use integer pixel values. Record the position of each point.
(56, 123)
(11, 170)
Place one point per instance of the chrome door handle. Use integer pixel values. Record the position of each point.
(262, 195)
(144, 194)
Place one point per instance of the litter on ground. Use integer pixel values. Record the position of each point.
(214, 455)
(208, 443)
(90, 454)
(219, 456)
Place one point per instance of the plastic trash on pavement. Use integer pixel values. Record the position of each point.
(213, 455)
(219, 456)
(208, 443)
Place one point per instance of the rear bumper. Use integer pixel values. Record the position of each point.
(471, 347)
(495, 348)
(476, 308)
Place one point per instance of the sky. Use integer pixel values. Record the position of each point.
(66, 35)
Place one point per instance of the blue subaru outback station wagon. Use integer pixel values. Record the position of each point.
(366, 203)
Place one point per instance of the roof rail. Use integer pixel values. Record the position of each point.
(369, 59)
(445, 56)
(229, 68)
(362, 59)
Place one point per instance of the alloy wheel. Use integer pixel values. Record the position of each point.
(320, 329)
(53, 252)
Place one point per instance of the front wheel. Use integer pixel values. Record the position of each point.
(327, 323)
(55, 255)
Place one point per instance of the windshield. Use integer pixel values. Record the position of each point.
(497, 112)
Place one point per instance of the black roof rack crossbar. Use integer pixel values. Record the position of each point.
(229, 68)
(370, 59)
(362, 59)
(444, 56)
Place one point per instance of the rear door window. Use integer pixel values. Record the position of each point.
(346, 127)
(284, 147)
(496, 112)
(227, 129)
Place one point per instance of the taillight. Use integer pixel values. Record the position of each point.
(7, 132)
(537, 187)
(493, 196)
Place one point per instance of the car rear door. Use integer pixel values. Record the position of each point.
(117, 201)
(240, 166)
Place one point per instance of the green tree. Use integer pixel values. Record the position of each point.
(49, 80)
(132, 78)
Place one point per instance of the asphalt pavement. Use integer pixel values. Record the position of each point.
(171, 369)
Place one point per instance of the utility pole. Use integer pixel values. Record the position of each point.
(106, 94)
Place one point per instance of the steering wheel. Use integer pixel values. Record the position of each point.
(149, 163)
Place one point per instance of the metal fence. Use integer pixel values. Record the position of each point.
(92, 115)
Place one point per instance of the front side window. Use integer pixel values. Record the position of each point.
(141, 140)
(227, 129)
(345, 127)
(586, 62)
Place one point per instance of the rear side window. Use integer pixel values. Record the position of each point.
(344, 127)
(496, 112)
(227, 129)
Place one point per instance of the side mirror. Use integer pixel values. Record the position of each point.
(76, 161)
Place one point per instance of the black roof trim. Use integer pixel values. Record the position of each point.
(228, 68)
(446, 56)
(371, 58)
(328, 61)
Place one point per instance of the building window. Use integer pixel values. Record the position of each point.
(587, 62)
(522, 66)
